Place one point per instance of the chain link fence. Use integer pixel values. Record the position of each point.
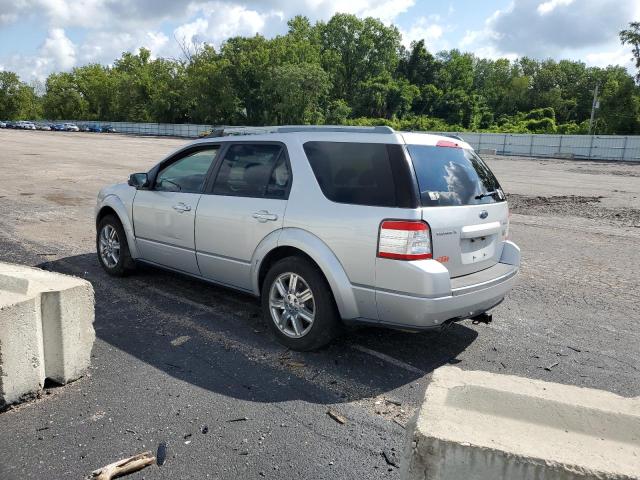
(592, 147)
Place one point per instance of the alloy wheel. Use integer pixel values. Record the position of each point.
(109, 246)
(292, 305)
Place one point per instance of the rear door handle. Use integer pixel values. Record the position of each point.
(264, 216)
(181, 207)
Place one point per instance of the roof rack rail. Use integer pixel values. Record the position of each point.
(334, 128)
(453, 135)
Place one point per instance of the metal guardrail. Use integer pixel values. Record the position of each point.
(592, 147)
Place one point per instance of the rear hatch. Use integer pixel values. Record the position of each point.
(463, 204)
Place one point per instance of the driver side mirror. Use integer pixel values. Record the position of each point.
(138, 180)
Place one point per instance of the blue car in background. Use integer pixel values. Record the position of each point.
(58, 127)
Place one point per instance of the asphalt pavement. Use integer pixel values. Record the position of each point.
(192, 365)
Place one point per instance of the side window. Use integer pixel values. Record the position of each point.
(361, 173)
(188, 174)
(258, 170)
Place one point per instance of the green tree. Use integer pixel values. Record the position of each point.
(356, 50)
(631, 36)
(62, 100)
(297, 93)
(17, 100)
(209, 93)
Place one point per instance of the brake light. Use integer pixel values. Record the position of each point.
(447, 143)
(404, 240)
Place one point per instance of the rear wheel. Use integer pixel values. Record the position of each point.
(298, 305)
(112, 247)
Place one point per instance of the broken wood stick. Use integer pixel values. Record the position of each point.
(336, 416)
(124, 466)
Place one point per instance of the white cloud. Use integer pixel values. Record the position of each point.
(424, 28)
(57, 53)
(59, 50)
(219, 21)
(103, 29)
(551, 5)
(556, 29)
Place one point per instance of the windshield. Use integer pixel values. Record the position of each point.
(453, 176)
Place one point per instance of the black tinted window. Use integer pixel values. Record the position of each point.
(453, 176)
(361, 173)
(188, 174)
(253, 171)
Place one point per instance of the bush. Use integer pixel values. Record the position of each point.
(540, 113)
(544, 125)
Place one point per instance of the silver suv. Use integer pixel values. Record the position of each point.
(328, 225)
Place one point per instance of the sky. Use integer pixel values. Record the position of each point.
(38, 37)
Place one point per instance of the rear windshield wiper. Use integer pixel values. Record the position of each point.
(493, 193)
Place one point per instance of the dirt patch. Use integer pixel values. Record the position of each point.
(64, 200)
(573, 206)
(616, 173)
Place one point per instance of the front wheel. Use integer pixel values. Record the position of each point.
(112, 247)
(298, 305)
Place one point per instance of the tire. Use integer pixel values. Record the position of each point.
(121, 264)
(300, 335)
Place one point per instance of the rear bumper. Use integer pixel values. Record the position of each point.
(466, 297)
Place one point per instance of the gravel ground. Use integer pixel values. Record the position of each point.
(174, 355)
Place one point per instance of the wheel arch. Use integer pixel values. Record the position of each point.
(295, 241)
(112, 205)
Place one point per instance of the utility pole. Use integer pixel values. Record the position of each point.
(594, 107)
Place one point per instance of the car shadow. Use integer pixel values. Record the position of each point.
(214, 338)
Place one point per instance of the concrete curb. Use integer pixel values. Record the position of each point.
(483, 426)
(46, 330)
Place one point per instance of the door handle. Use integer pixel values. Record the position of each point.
(264, 216)
(181, 207)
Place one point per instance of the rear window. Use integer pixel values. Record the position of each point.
(453, 176)
(373, 174)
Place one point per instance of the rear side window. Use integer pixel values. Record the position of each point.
(453, 176)
(253, 170)
(373, 174)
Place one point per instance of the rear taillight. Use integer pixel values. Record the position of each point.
(404, 240)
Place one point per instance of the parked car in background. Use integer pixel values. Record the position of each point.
(24, 125)
(108, 129)
(57, 127)
(42, 126)
(3, 124)
(328, 225)
(71, 127)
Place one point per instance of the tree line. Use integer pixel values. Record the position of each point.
(344, 71)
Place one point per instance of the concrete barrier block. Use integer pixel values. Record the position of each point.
(483, 426)
(46, 329)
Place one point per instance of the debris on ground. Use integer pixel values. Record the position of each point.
(204, 429)
(124, 466)
(180, 340)
(336, 416)
(395, 420)
(240, 419)
(554, 364)
(161, 454)
(391, 457)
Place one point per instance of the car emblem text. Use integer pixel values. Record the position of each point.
(484, 214)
